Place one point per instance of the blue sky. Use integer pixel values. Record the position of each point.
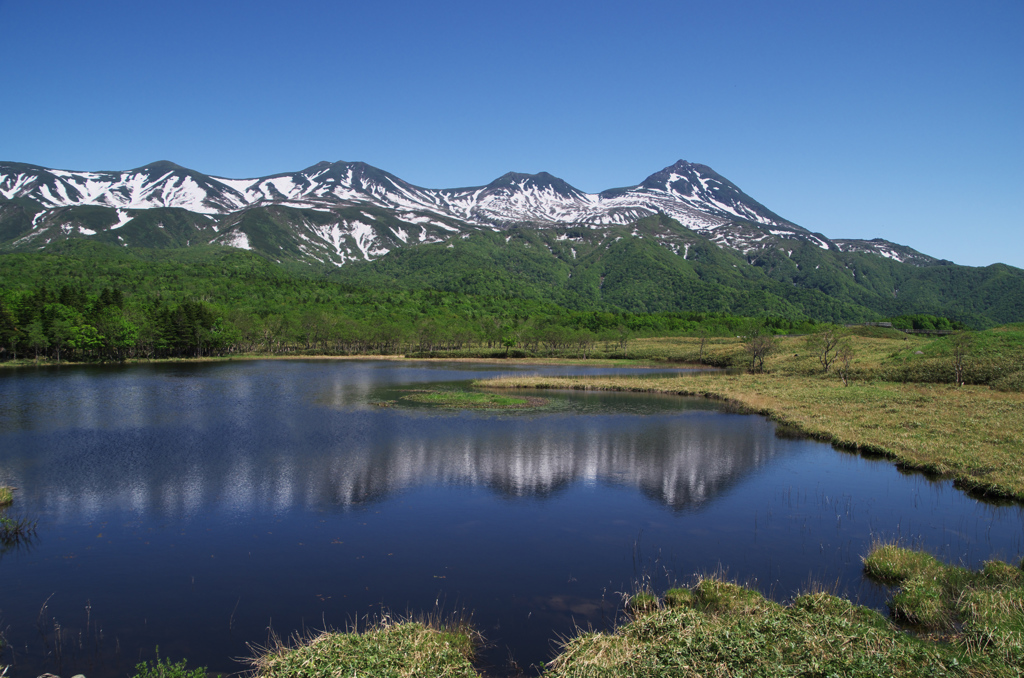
(902, 120)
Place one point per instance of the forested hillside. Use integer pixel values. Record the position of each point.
(685, 240)
(89, 301)
(630, 269)
(514, 289)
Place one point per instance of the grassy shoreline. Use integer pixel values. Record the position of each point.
(961, 623)
(945, 621)
(972, 434)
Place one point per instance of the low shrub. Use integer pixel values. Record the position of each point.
(1013, 382)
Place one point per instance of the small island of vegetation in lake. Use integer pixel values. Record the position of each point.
(473, 400)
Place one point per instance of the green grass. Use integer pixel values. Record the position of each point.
(642, 603)
(979, 611)
(1013, 382)
(973, 434)
(473, 400)
(15, 531)
(165, 668)
(718, 628)
(390, 649)
(722, 629)
(6, 496)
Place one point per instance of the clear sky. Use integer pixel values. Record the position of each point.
(856, 119)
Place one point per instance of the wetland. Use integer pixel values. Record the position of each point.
(203, 507)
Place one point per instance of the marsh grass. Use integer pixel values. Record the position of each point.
(16, 531)
(386, 648)
(165, 668)
(981, 611)
(642, 602)
(972, 434)
(718, 628)
(474, 400)
(878, 354)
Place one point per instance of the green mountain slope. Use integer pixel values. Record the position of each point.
(627, 268)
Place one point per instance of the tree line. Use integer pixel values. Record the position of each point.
(70, 323)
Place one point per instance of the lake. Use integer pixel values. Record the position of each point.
(203, 507)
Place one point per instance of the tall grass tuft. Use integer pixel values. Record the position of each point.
(719, 628)
(387, 647)
(982, 611)
(16, 531)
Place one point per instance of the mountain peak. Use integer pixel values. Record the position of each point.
(161, 166)
(540, 180)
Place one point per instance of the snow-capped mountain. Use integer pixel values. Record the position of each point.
(342, 211)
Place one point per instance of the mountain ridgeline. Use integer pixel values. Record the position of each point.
(684, 239)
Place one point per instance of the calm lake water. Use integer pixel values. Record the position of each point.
(202, 507)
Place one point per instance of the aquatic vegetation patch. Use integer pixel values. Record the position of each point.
(474, 400)
(15, 531)
(6, 496)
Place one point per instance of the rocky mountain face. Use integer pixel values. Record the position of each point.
(337, 213)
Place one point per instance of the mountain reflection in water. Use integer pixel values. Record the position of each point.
(196, 506)
(221, 457)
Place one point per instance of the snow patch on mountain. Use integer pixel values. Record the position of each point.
(366, 239)
(694, 195)
(237, 239)
(13, 185)
(122, 219)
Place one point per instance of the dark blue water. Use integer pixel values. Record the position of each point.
(202, 507)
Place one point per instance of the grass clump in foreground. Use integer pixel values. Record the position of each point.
(978, 611)
(722, 629)
(390, 649)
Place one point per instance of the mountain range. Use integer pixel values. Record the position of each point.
(685, 238)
